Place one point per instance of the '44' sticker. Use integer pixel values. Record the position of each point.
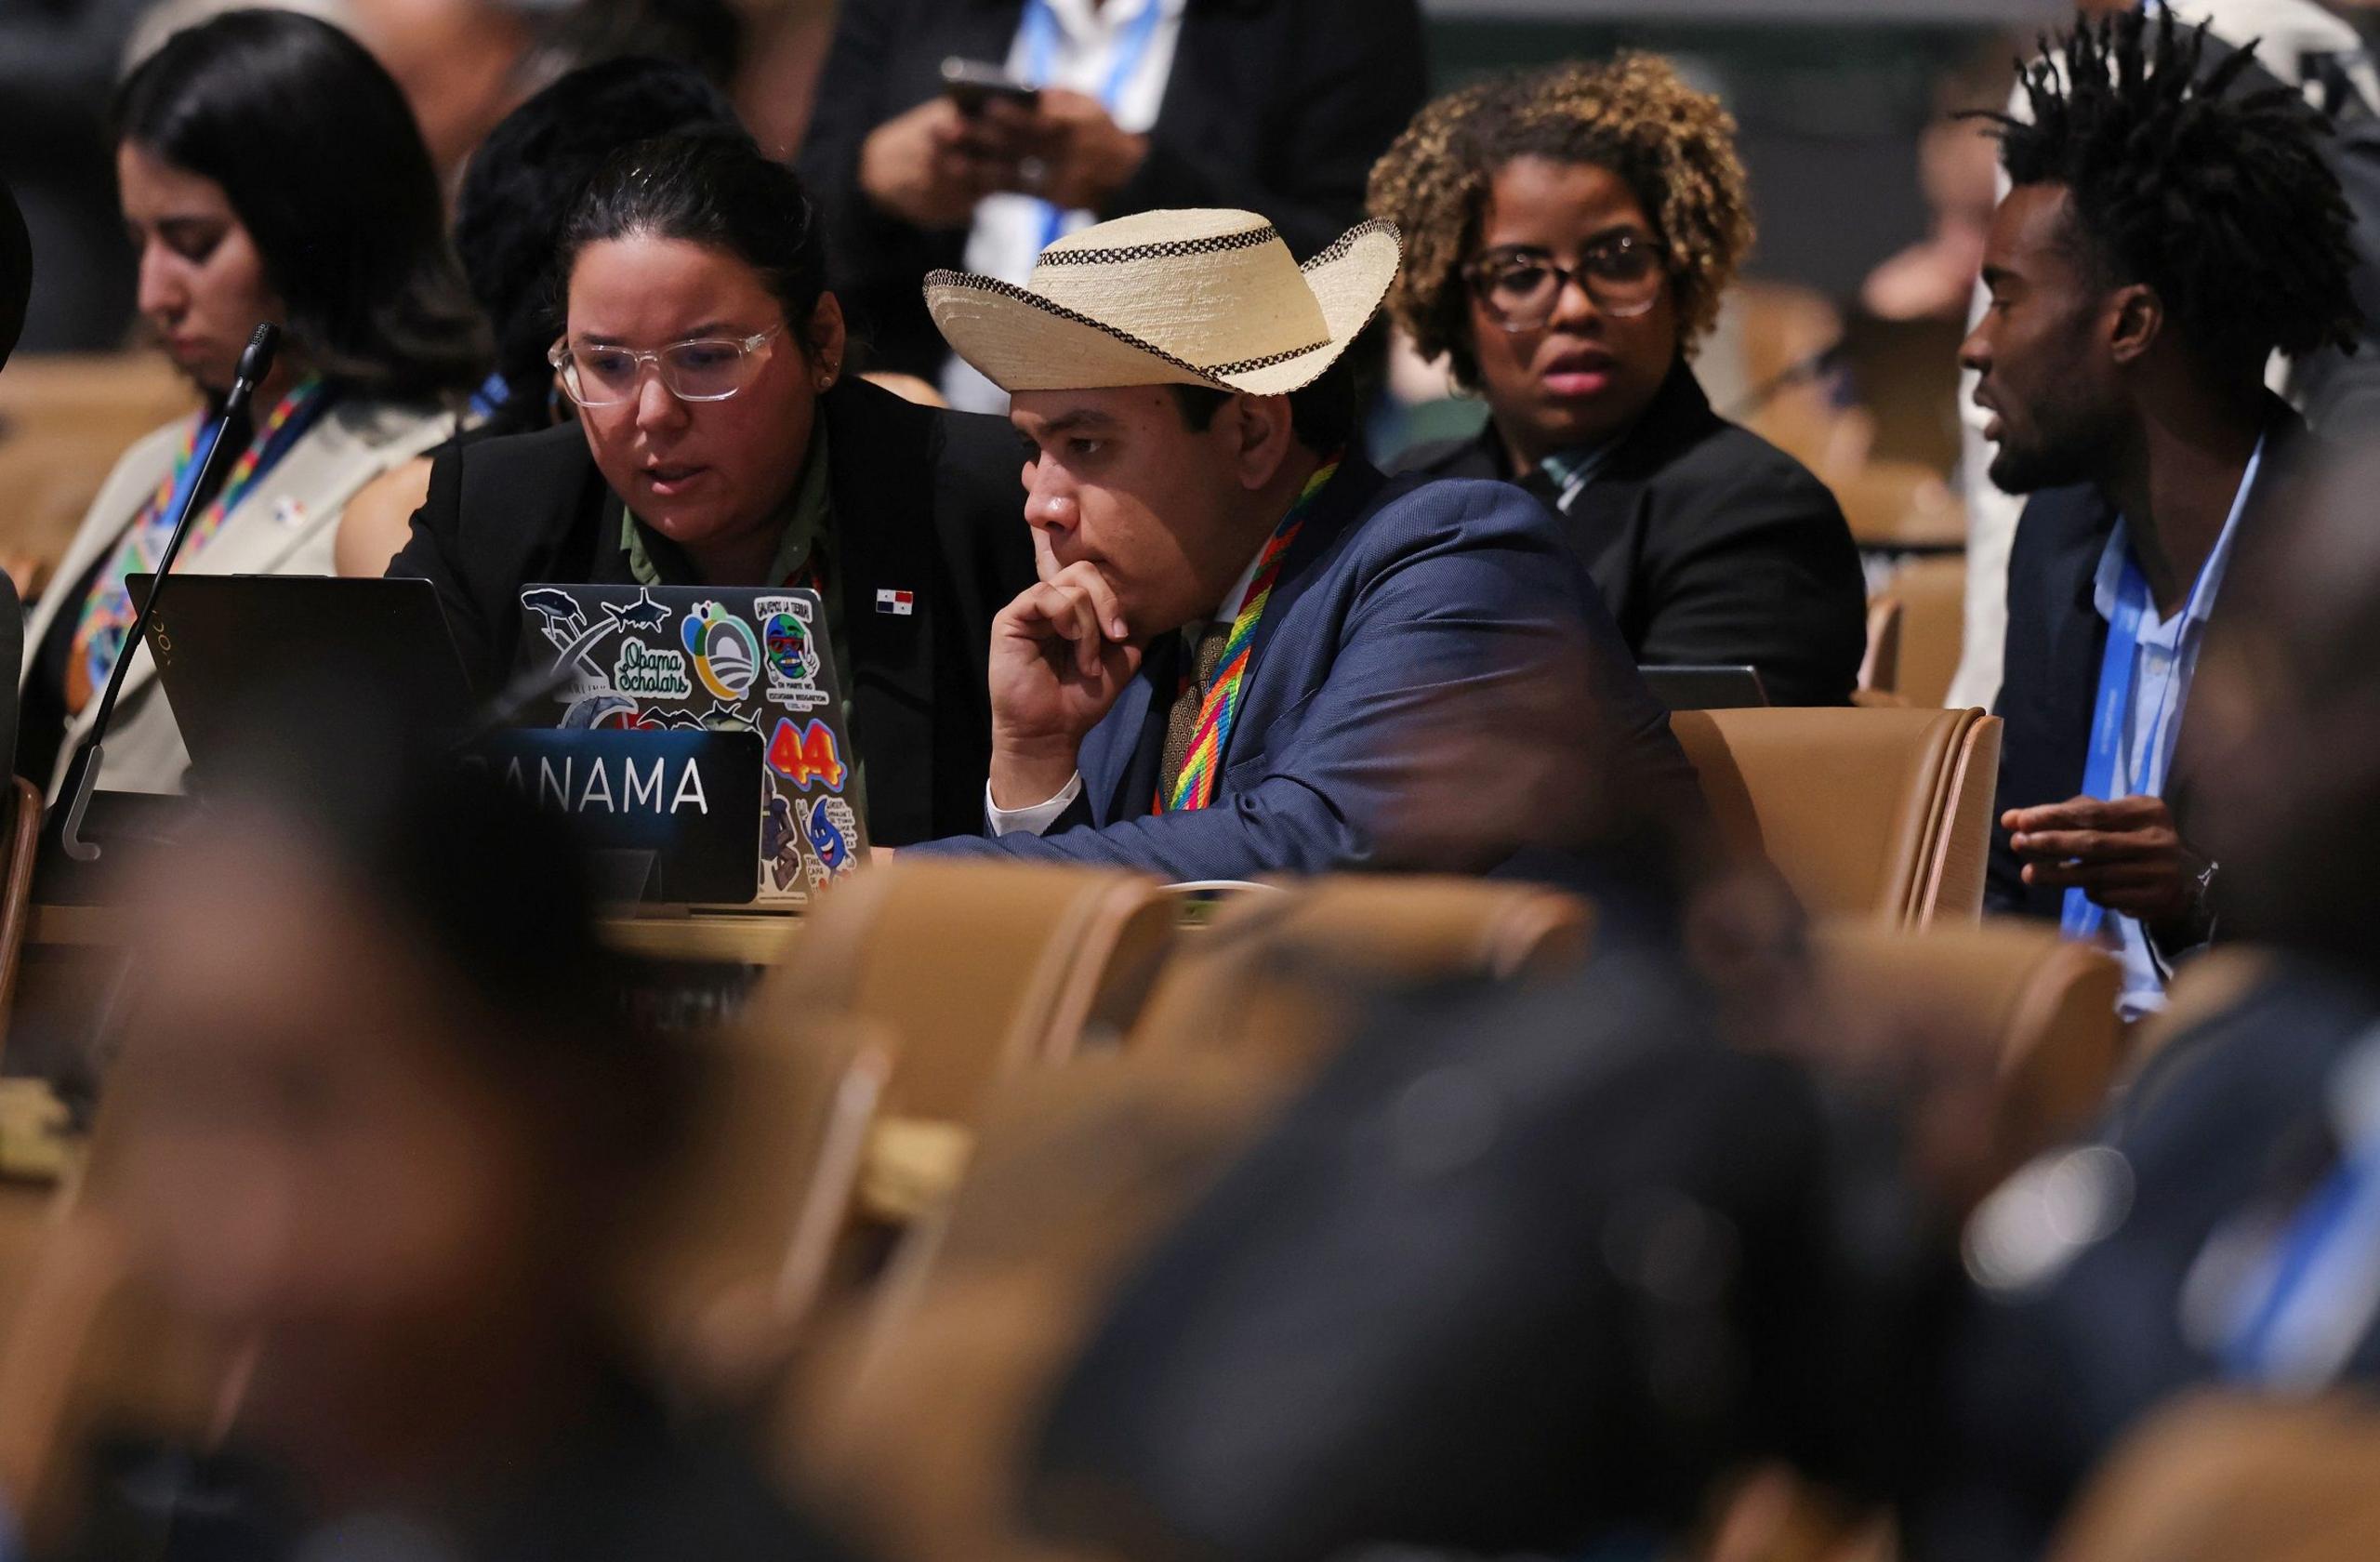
(806, 753)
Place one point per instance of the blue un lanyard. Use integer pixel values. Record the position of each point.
(2081, 917)
(1040, 49)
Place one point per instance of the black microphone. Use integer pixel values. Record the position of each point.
(256, 361)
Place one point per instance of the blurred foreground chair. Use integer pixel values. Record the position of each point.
(973, 969)
(910, 1424)
(744, 1242)
(2026, 1019)
(1881, 813)
(2221, 1479)
(1282, 976)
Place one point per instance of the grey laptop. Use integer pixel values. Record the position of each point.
(630, 658)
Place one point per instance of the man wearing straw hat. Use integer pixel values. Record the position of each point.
(1248, 651)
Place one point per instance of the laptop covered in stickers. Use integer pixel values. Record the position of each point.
(690, 658)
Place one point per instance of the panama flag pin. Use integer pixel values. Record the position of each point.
(901, 604)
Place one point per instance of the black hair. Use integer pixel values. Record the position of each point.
(320, 157)
(1323, 416)
(2213, 194)
(718, 190)
(524, 179)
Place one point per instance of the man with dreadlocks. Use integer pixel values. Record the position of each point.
(2137, 290)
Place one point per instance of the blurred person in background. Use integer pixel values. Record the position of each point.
(374, 989)
(1272, 106)
(1935, 278)
(2136, 295)
(721, 440)
(507, 228)
(1570, 233)
(2320, 47)
(269, 171)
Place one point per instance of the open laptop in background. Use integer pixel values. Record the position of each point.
(693, 657)
(1736, 687)
(223, 642)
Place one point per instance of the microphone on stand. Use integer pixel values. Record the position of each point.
(256, 361)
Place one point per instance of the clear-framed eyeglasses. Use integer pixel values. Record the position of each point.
(700, 369)
(1521, 288)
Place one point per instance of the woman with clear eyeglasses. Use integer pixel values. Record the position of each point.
(720, 442)
(1568, 234)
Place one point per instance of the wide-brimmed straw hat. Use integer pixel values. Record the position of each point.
(1169, 298)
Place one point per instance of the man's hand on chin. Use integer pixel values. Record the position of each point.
(1061, 654)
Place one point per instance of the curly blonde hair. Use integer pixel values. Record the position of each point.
(1674, 148)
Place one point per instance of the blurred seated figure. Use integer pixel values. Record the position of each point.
(269, 171)
(508, 226)
(721, 440)
(2135, 297)
(1248, 651)
(383, 1119)
(1278, 106)
(1569, 234)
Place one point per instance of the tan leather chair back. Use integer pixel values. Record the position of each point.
(912, 1422)
(745, 1238)
(2028, 1015)
(1280, 976)
(1933, 597)
(976, 968)
(1878, 812)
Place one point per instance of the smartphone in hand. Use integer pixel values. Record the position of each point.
(973, 83)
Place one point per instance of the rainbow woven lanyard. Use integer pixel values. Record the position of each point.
(1218, 711)
(108, 613)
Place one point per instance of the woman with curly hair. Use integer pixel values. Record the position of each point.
(1568, 233)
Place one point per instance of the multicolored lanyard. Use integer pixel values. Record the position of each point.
(1040, 31)
(108, 613)
(1219, 711)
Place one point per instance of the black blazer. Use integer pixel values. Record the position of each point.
(1710, 545)
(924, 501)
(2050, 676)
(1273, 106)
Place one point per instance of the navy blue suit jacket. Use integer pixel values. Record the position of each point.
(1402, 605)
(2056, 639)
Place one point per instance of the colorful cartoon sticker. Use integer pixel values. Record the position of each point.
(726, 656)
(790, 650)
(831, 828)
(806, 754)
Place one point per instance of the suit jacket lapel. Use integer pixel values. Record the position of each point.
(884, 539)
(1122, 755)
(1597, 522)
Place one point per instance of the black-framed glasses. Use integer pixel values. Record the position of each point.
(1522, 287)
(699, 369)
